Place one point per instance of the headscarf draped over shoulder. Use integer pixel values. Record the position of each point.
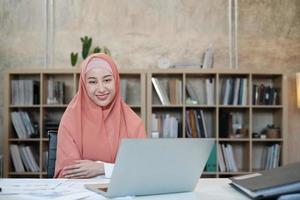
(90, 132)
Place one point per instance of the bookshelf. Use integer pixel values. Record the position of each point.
(199, 103)
(49, 91)
(233, 107)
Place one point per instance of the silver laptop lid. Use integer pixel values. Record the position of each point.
(158, 166)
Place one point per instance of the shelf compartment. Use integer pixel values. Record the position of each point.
(200, 89)
(234, 89)
(24, 158)
(266, 89)
(266, 155)
(234, 123)
(263, 117)
(167, 89)
(131, 88)
(51, 119)
(24, 123)
(235, 156)
(25, 89)
(167, 122)
(58, 88)
(200, 122)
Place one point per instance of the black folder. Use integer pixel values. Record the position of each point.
(269, 183)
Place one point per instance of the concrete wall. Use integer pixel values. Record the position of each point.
(42, 33)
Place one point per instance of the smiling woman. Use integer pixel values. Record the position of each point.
(100, 83)
(95, 121)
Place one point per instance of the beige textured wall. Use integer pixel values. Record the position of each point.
(140, 32)
(269, 38)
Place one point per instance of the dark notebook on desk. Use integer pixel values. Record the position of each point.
(269, 183)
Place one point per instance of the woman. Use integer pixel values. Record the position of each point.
(95, 121)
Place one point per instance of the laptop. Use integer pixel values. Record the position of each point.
(156, 166)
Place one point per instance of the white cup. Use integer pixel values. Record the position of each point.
(108, 169)
(155, 134)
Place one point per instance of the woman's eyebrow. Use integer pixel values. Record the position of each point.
(91, 77)
(109, 75)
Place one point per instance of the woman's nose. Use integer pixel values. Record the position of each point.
(100, 87)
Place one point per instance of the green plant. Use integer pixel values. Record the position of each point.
(97, 50)
(106, 51)
(74, 57)
(86, 45)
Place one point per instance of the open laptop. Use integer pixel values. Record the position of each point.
(156, 166)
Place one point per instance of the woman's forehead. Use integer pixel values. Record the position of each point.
(99, 73)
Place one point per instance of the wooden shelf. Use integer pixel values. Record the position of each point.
(141, 96)
(254, 117)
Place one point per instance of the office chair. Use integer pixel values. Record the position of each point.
(52, 135)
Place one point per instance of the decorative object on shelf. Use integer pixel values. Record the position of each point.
(255, 135)
(271, 132)
(86, 46)
(298, 88)
(240, 133)
(208, 58)
(163, 63)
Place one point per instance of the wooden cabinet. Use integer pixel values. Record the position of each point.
(243, 111)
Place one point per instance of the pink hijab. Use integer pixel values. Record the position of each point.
(90, 132)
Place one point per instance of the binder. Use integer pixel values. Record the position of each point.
(269, 183)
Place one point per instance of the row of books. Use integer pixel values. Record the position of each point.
(204, 93)
(264, 95)
(56, 92)
(234, 91)
(23, 158)
(25, 92)
(22, 124)
(195, 124)
(226, 159)
(166, 125)
(271, 156)
(169, 91)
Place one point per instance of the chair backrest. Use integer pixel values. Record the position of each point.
(52, 135)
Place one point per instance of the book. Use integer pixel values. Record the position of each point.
(221, 160)
(208, 58)
(269, 183)
(16, 158)
(211, 165)
(209, 89)
(162, 94)
(191, 92)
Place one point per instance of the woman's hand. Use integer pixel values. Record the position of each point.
(83, 169)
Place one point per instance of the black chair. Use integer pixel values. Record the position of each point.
(52, 135)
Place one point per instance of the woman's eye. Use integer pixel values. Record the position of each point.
(92, 82)
(107, 80)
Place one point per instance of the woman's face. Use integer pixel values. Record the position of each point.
(100, 86)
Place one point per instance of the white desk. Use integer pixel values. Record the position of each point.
(67, 189)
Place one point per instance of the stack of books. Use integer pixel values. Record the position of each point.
(270, 183)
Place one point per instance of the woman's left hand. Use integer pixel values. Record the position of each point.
(83, 169)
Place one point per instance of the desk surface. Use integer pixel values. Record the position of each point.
(67, 189)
